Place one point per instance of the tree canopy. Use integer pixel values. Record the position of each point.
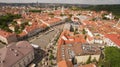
(35, 11)
(115, 9)
(6, 19)
(112, 57)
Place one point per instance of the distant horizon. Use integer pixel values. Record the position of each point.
(57, 3)
(89, 2)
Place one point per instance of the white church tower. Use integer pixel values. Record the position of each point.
(62, 9)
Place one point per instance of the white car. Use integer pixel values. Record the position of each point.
(35, 46)
(32, 65)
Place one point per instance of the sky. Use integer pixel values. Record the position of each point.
(65, 1)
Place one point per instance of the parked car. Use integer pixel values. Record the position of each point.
(35, 46)
(32, 65)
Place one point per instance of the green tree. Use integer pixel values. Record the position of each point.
(89, 60)
(94, 60)
(112, 56)
(35, 11)
(51, 57)
(100, 63)
(76, 31)
(83, 31)
(71, 28)
(85, 37)
(52, 63)
(74, 61)
(6, 19)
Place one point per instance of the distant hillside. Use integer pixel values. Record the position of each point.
(110, 8)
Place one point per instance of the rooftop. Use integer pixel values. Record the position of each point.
(89, 49)
(114, 37)
(102, 26)
(5, 34)
(65, 63)
(68, 51)
(14, 52)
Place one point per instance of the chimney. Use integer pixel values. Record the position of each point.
(15, 51)
(16, 54)
(2, 61)
(11, 49)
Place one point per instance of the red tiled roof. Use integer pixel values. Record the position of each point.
(35, 25)
(114, 37)
(52, 20)
(22, 34)
(73, 40)
(5, 34)
(65, 63)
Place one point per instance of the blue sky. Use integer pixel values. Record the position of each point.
(66, 1)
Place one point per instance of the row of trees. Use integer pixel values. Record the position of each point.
(35, 11)
(115, 9)
(74, 8)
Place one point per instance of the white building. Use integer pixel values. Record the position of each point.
(112, 40)
(110, 16)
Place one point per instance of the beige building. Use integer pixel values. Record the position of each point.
(84, 58)
(88, 51)
(18, 54)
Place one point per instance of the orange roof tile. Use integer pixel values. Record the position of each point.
(22, 34)
(65, 63)
(5, 34)
(114, 37)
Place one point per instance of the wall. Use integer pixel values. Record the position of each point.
(25, 61)
(84, 58)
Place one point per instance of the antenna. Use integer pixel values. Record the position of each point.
(37, 3)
